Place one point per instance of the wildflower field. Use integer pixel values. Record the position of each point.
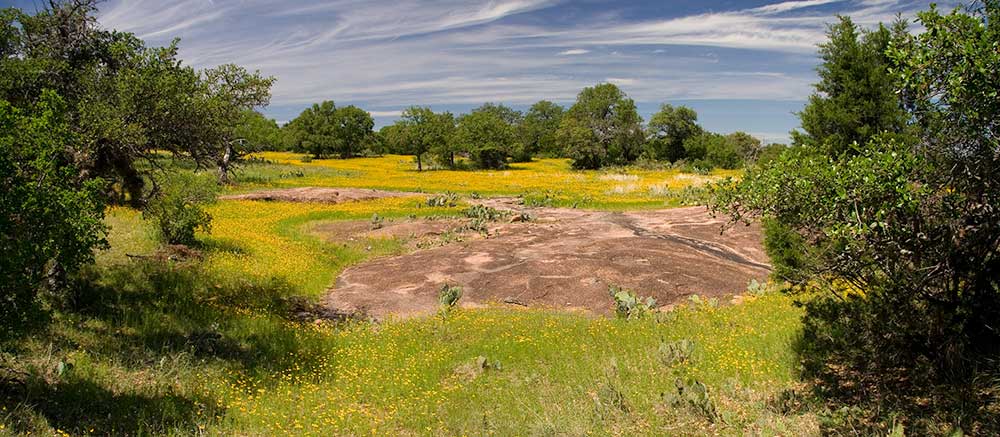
(548, 182)
(207, 347)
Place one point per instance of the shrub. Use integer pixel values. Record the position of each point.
(448, 297)
(787, 250)
(678, 352)
(447, 199)
(49, 224)
(177, 207)
(628, 305)
(693, 395)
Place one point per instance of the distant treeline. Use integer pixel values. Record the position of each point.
(602, 128)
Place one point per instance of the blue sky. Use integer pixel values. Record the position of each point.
(743, 65)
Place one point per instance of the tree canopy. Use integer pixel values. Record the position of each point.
(854, 99)
(420, 130)
(902, 230)
(668, 130)
(538, 131)
(487, 137)
(615, 127)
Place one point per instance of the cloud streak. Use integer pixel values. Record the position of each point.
(392, 54)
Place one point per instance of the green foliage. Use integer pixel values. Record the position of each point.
(354, 131)
(748, 147)
(487, 213)
(420, 131)
(177, 209)
(538, 132)
(788, 251)
(50, 223)
(630, 306)
(314, 130)
(854, 99)
(442, 200)
(692, 394)
(677, 352)
(668, 130)
(706, 150)
(903, 233)
(325, 130)
(448, 297)
(602, 128)
(126, 102)
(487, 137)
(769, 153)
(259, 133)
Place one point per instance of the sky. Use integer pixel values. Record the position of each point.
(742, 65)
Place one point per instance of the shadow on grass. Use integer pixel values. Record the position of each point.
(80, 406)
(866, 392)
(125, 319)
(212, 244)
(147, 309)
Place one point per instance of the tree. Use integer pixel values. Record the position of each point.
(668, 130)
(707, 150)
(354, 131)
(854, 99)
(614, 123)
(747, 145)
(538, 131)
(50, 221)
(421, 130)
(487, 137)
(905, 233)
(442, 126)
(232, 91)
(511, 116)
(392, 138)
(581, 144)
(315, 130)
(177, 209)
(125, 103)
(258, 132)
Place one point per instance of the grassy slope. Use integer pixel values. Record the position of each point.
(205, 347)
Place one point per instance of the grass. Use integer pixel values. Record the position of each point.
(549, 181)
(208, 347)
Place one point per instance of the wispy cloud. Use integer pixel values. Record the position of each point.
(389, 113)
(391, 54)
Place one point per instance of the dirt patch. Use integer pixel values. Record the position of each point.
(415, 233)
(564, 258)
(321, 195)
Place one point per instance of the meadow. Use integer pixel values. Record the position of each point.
(548, 182)
(206, 345)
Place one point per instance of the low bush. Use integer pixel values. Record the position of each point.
(630, 306)
(177, 208)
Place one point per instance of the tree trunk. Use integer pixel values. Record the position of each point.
(419, 166)
(224, 162)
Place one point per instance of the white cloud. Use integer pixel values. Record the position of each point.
(391, 54)
(777, 8)
(390, 113)
(621, 81)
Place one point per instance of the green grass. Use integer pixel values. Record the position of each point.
(208, 347)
